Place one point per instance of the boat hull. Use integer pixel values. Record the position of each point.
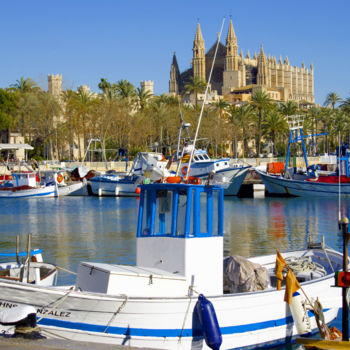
(247, 320)
(236, 181)
(280, 186)
(47, 191)
(74, 189)
(114, 188)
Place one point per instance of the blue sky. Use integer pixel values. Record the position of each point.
(134, 40)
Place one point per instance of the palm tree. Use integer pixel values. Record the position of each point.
(221, 107)
(104, 85)
(24, 85)
(46, 124)
(82, 103)
(260, 101)
(125, 89)
(331, 99)
(345, 106)
(241, 120)
(196, 86)
(288, 108)
(143, 96)
(273, 125)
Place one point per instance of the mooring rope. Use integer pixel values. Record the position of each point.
(59, 301)
(117, 312)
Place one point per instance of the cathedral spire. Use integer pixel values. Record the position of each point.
(198, 61)
(198, 39)
(174, 83)
(231, 36)
(232, 58)
(262, 76)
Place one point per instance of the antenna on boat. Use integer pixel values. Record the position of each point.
(205, 97)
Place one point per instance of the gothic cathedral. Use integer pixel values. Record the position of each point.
(236, 77)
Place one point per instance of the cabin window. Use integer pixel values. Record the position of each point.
(181, 214)
(195, 158)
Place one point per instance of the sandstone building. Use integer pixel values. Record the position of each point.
(236, 77)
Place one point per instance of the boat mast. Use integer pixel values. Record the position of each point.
(205, 97)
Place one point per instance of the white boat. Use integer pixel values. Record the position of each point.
(65, 187)
(225, 172)
(305, 188)
(40, 273)
(26, 184)
(149, 165)
(179, 258)
(312, 181)
(115, 185)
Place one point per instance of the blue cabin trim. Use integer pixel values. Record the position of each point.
(161, 207)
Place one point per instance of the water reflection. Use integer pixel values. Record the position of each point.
(70, 230)
(260, 225)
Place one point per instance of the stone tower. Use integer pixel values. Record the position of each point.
(54, 84)
(198, 61)
(262, 77)
(231, 74)
(147, 85)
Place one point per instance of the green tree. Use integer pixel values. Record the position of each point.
(82, 104)
(143, 96)
(241, 121)
(24, 85)
(8, 107)
(196, 86)
(288, 108)
(125, 89)
(261, 102)
(345, 106)
(331, 99)
(273, 125)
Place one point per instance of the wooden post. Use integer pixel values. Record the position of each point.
(17, 249)
(28, 256)
(345, 314)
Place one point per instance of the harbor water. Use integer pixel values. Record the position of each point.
(74, 229)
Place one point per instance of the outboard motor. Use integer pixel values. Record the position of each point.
(23, 317)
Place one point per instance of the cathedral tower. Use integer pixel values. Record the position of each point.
(231, 76)
(198, 61)
(174, 84)
(262, 76)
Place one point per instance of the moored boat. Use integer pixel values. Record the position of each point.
(179, 256)
(26, 184)
(31, 270)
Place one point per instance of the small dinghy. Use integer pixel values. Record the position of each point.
(33, 271)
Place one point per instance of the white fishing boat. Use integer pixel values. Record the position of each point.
(146, 164)
(223, 171)
(310, 181)
(65, 186)
(26, 184)
(179, 258)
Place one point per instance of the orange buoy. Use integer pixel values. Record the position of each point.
(59, 178)
(173, 179)
(138, 190)
(184, 170)
(194, 180)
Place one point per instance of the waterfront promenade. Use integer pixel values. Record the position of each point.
(126, 166)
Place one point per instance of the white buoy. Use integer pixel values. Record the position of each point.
(300, 315)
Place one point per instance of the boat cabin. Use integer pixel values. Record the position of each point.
(179, 246)
(26, 178)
